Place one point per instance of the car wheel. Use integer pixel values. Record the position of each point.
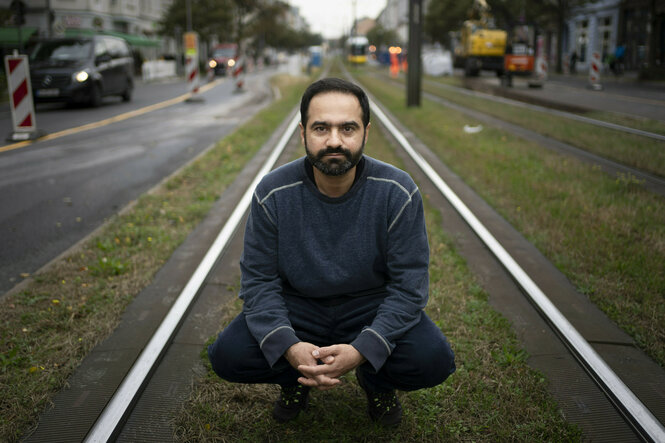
(127, 95)
(95, 96)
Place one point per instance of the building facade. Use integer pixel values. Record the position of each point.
(135, 19)
(638, 26)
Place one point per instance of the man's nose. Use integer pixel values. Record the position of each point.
(334, 140)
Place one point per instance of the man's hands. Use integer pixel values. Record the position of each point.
(336, 361)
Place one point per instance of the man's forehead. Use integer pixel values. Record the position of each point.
(334, 105)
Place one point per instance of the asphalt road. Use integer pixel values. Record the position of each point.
(55, 192)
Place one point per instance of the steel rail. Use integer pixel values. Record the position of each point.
(638, 414)
(556, 112)
(121, 402)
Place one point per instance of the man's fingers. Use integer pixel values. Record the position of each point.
(324, 352)
(308, 382)
(314, 371)
(321, 382)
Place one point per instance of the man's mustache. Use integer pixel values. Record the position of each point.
(337, 150)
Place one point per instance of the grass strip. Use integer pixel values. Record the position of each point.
(48, 328)
(493, 396)
(607, 235)
(629, 149)
(635, 122)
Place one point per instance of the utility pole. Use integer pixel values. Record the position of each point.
(413, 57)
(188, 6)
(354, 31)
(18, 9)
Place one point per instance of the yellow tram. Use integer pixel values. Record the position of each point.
(357, 47)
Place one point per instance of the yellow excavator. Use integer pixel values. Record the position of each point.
(481, 46)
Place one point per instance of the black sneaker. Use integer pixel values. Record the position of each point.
(383, 407)
(292, 400)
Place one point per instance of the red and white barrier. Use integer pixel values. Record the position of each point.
(20, 98)
(594, 72)
(238, 73)
(192, 73)
(191, 43)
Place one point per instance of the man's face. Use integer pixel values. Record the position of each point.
(334, 137)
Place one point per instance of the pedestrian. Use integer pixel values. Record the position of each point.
(573, 61)
(334, 271)
(619, 53)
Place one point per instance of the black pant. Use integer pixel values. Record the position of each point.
(422, 357)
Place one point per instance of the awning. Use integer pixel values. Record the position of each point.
(134, 40)
(9, 36)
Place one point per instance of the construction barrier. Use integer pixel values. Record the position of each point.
(594, 72)
(238, 73)
(541, 69)
(20, 98)
(192, 74)
(192, 65)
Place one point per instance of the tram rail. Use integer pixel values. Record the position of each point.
(550, 111)
(635, 411)
(118, 409)
(652, 182)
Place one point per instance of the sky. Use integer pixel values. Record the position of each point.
(333, 18)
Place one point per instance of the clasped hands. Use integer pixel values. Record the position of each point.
(322, 367)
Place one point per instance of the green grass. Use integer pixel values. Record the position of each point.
(493, 396)
(607, 235)
(48, 328)
(629, 149)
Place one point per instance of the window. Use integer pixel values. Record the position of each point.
(100, 48)
(581, 39)
(605, 34)
(117, 48)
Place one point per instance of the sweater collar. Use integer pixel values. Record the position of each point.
(309, 170)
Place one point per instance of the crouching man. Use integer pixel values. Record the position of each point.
(335, 271)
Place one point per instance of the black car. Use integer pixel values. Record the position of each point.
(81, 69)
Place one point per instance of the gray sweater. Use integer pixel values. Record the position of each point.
(371, 239)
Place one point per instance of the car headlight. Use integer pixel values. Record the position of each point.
(231, 63)
(81, 76)
(212, 63)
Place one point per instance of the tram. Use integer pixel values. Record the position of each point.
(357, 47)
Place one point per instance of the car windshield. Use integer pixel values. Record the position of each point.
(62, 50)
(224, 53)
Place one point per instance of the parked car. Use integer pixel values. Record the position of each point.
(223, 58)
(81, 69)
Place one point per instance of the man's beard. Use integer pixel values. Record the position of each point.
(334, 166)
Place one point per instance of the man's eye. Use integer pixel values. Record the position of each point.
(319, 129)
(348, 128)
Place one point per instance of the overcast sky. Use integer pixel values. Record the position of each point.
(333, 18)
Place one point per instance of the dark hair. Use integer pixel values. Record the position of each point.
(332, 84)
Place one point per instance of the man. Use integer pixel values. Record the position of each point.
(335, 271)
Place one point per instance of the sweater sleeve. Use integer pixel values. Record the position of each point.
(407, 258)
(261, 287)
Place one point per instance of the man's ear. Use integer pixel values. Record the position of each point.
(367, 131)
(302, 132)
